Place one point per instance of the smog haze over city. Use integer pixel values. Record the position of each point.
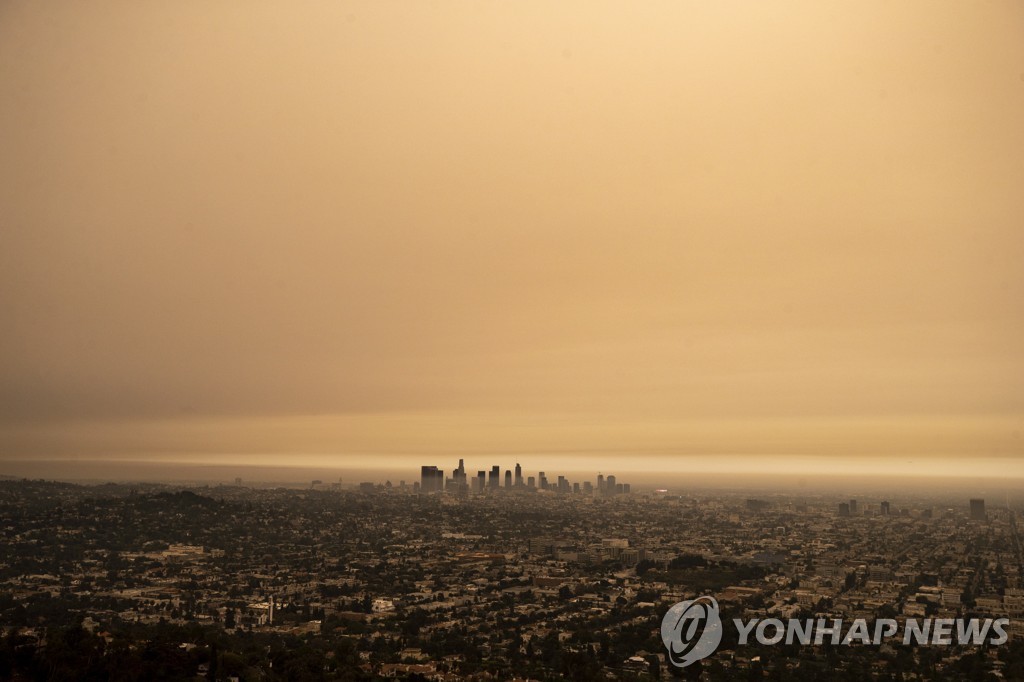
(469, 340)
(771, 236)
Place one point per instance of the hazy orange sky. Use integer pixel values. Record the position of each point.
(293, 232)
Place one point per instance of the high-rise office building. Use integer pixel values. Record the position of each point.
(457, 483)
(432, 479)
(428, 479)
(853, 507)
(978, 510)
(844, 509)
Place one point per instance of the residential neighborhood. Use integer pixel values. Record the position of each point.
(384, 581)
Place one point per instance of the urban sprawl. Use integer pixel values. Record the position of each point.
(488, 577)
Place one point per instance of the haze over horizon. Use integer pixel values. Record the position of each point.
(751, 237)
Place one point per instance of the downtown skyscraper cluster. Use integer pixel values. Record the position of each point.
(433, 480)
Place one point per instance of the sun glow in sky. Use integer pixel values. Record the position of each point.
(741, 235)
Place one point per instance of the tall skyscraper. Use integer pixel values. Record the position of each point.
(508, 478)
(519, 476)
(609, 485)
(978, 510)
(853, 507)
(542, 481)
(495, 475)
(481, 477)
(600, 483)
(458, 483)
(428, 479)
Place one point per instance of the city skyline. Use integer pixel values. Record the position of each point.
(433, 480)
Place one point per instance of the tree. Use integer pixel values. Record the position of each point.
(688, 561)
(654, 666)
(643, 566)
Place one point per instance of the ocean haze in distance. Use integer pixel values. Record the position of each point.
(897, 488)
(686, 479)
(776, 237)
